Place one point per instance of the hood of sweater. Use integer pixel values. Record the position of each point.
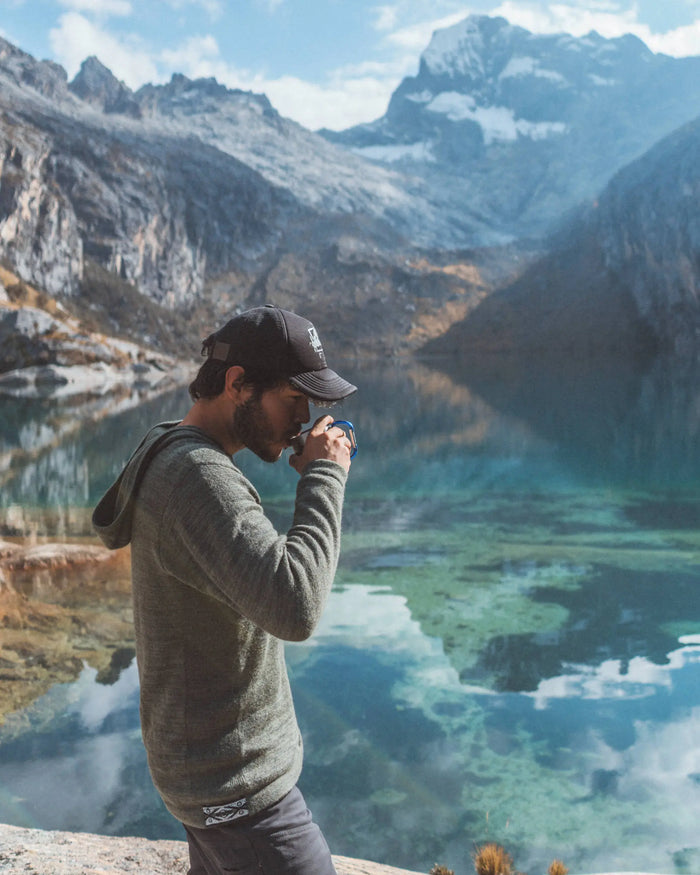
(112, 518)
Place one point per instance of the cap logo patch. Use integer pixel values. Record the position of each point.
(315, 342)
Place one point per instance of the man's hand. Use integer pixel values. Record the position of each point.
(323, 442)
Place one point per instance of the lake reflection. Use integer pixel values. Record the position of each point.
(512, 648)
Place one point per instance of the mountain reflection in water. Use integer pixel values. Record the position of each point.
(511, 651)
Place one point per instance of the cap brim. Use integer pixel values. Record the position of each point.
(325, 385)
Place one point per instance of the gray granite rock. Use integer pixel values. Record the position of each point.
(39, 852)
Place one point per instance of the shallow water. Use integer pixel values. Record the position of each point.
(512, 649)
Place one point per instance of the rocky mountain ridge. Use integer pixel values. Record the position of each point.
(525, 126)
(144, 191)
(237, 124)
(76, 186)
(155, 214)
(623, 276)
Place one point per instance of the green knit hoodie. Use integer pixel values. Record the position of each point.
(216, 592)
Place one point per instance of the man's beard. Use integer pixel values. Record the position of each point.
(252, 427)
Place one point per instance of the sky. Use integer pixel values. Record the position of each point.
(323, 63)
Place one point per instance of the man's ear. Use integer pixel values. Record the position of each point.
(234, 381)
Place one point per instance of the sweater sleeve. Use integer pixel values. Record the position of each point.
(216, 538)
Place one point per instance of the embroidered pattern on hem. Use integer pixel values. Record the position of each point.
(216, 814)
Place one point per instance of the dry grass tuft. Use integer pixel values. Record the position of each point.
(492, 860)
(441, 870)
(556, 867)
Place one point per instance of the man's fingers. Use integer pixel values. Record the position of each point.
(321, 424)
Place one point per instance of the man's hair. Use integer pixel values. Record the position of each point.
(211, 379)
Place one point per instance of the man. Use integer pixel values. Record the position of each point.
(217, 591)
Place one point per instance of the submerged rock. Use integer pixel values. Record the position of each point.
(53, 556)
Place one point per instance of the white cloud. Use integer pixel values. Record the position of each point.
(337, 104)
(348, 96)
(610, 20)
(193, 58)
(76, 37)
(568, 18)
(680, 42)
(213, 8)
(415, 37)
(640, 678)
(95, 702)
(99, 7)
(270, 5)
(386, 17)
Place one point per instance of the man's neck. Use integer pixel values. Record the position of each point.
(208, 415)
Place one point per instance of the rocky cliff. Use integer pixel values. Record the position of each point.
(647, 225)
(78, 183)
(622, 277)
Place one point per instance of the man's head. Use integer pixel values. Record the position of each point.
(273, 347)
(262, 369)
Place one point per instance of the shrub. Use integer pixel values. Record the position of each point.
(492, 860)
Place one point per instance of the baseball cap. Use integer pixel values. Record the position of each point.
(280, 343)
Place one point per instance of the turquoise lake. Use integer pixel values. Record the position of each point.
(511, 651)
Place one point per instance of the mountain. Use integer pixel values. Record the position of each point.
(155, 214)
(80, 183)
(622, 277)
(524, 127)
(202, 199)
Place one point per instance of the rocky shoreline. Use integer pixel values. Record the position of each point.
(40, 852)
(46, 852)
(45, 352)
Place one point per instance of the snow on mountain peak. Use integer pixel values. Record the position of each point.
(461, 49)
(526, 66)
(497, 123)
(483, 48)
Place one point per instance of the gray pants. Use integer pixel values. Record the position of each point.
(282, 840)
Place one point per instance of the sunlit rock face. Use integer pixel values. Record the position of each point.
(46, 352)
(522, 126)
(39, 231)
(80, 180)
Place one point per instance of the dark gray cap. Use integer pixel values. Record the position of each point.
(278, 343)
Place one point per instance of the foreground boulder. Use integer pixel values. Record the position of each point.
(63, 853)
